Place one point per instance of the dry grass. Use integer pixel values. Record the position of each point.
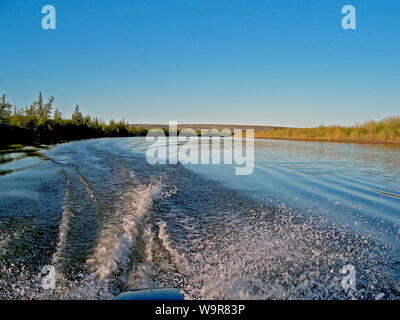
(384, 131)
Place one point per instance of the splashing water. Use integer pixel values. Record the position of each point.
(108, 221)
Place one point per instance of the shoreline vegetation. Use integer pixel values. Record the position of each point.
(385, 131)
(38, 124)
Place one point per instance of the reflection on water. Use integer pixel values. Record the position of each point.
(107, 221)
(19, 157)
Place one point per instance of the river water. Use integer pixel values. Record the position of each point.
(109, 221)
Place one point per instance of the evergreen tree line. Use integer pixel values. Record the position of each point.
(39, 124)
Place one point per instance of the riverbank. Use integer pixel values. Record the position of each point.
(385, 131)
(38, 124)
(53, 133)
(345, 140)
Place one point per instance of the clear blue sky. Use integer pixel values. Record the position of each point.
(267, 62)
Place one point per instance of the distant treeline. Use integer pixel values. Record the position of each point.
(38, 124)
(386, 130)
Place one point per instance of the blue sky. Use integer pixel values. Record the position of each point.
(269, 62)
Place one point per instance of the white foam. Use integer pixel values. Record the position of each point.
(116, 240)
(148, 235)
(177, 258)
(63, 229)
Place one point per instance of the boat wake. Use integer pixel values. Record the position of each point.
(121, 224)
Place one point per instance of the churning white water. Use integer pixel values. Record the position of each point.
(108, 221)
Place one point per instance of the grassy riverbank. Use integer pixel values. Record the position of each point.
(384, 131)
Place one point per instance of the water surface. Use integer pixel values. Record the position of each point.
(109, 221)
